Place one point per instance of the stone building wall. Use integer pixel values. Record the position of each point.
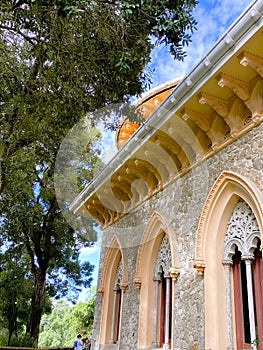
(180, 204)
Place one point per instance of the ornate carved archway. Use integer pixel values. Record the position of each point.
(228, 188)
(219, 206)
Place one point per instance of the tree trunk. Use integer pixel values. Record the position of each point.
(37, 305)
(12, 325)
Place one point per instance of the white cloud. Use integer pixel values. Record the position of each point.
(91, 253)
(214, 18)
(109, 148)
(86, 252)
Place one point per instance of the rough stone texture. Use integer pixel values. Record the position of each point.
(180, 204)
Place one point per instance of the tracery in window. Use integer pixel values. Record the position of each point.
(242, 253)
(163, 297)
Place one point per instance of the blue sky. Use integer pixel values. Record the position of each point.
(214, 17)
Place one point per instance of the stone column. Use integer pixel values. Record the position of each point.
(248, 262)
(174, 273)
(227, 265)
(157, 280)
(123, 287)
(115, 290)
(167, 313)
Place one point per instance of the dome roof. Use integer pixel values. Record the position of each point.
(147, 105)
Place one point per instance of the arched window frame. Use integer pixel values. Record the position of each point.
(145, 268)
(217, 209)
(117, 302)
(163, 296)
(110, 282)
(241, 241)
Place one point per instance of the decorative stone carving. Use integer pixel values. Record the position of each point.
(223, 180)
(220, 105)
(242, 232)
(101, 291)
(219, 130)
(248, 59)
(123, 286)
(237, 116)
(174, 272)
(239, 87)
(201, 119)
(255, 103)
(119, 274)
(200, 267)
(164, 258)
(137, 281)
(194, 346)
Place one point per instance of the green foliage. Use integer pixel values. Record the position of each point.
(15, 294)
(60, 61)
(19, 340)
(65, 322)
(169, 22)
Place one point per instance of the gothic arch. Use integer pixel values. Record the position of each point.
(145, 270)
(218, 208)
(114, 255)
(151, 240)
(225, 193)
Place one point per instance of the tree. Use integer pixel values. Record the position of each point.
(61, 59)
(56, 328)
(15, 302)
(61, 326)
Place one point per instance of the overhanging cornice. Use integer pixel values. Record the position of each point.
(216, 103)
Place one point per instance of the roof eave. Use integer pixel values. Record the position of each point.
(242, 29)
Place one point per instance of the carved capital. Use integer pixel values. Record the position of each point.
(199, 265)
(248, 257)
(157, 278)
(227, 262)
(101, 291)
(174, 272)
(123, 286)
(137, 281)
(194, 346)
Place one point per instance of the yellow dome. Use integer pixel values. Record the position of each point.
(147, 105)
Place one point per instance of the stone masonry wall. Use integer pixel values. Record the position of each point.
(180, 204)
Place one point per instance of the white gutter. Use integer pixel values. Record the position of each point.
(243, 28)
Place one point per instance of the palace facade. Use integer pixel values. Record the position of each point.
(181, 208)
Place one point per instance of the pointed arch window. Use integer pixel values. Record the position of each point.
(163, 297)
(243, 259)
(117, 301)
